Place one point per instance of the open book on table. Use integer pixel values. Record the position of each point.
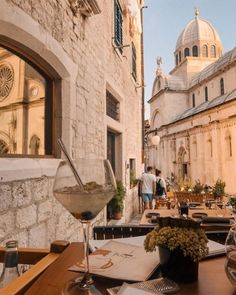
(215, 248)
(121, 261)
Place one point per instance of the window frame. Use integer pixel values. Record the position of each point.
(118, 25)
(53, 88)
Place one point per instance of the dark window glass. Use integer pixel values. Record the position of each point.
(222, 87)
(180, 56)
(193, 100)
(176, 59)
(195, 50)
(118, 25)
(186, 52)
(206, 94)
(112, 106)
(25, 107)
(134, 69)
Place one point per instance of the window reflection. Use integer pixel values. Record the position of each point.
(22, 107)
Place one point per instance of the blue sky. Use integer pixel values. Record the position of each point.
(164, 20)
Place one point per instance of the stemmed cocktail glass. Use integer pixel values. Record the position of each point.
(84, 187)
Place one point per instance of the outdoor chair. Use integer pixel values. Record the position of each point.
(120, 231)
(40, 259)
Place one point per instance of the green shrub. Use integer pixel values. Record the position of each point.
(218, 189)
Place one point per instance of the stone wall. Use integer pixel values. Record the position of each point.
(81, 51)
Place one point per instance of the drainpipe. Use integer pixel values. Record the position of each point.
(142, 82)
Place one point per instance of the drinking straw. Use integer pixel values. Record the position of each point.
(70, 162)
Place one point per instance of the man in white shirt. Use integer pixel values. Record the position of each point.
(148, 187)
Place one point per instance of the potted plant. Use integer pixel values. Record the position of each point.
(116, 204)
(181, 244)
(218, 189)
(198, 187)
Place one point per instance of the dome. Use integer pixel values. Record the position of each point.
(197, 29)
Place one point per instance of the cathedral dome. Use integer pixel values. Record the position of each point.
(200, 40)
(195, 30)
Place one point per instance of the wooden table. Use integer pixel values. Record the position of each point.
(212, 278)
(168, 212)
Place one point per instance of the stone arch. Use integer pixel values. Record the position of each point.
(183, 163)
(19, 30)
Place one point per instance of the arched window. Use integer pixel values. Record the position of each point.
(176, 59)
(186, 52)
(27, 96)
(206, 94)
(195, 50)
(180, 56)
(222, 87)
(213, 51)
(193, 100)
(204, 51)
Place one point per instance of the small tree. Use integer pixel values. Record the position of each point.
(218, 190)
(198, 187)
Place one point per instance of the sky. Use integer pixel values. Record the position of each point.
(164, 20)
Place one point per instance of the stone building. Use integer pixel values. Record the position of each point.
(69, 69)
(193, 109)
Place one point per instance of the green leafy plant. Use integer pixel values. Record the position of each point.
(218, 189)
(191, 241)
(198, 187)
(117, 202)
(133, 179)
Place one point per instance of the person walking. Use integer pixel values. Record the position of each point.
(148, 187)
(160, 186)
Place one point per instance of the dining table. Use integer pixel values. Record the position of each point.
(163, 212)
(212, 278)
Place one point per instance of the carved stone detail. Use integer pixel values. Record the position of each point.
(6, 80)
(85, 7)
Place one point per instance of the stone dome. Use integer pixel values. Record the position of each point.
(195, 30)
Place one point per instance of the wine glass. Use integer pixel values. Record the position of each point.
(84, 187)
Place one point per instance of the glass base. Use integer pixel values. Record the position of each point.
(81, 286)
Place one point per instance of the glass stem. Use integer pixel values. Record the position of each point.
(86, 226)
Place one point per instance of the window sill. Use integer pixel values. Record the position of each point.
(12, 169)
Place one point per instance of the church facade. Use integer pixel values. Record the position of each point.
(194, 107)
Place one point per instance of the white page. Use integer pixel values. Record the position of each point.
(122, 261)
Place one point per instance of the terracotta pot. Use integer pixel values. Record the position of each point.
(178, 267)
(117, 215)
